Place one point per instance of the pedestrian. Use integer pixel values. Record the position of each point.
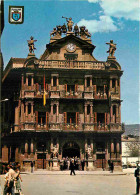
(83, 164)
(32, 166)
(6, 177)
(111, 167)
(18, 181)
(72, 166)
(137, 175)
(11, 174)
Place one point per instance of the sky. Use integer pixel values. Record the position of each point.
(106, 20)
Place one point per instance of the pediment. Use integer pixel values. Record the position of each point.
(58, 50)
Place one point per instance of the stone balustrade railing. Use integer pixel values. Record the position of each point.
(64, 64)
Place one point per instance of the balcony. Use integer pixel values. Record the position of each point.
(71, 94)
(42, 127)
(65, 64)
(28, 88)
(100, 96)
(71, 127)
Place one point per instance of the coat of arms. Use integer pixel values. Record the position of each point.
(16, 14)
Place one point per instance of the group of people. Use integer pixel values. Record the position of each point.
(12, 180)
(66, 162)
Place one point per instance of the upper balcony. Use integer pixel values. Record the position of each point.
(71, 94)
(66, 64)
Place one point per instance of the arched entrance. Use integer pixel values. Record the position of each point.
(71, 149)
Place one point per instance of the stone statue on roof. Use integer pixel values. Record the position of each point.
(53, 33)
(69, 23)
(76, 30)
(31, 44)
(112, 48)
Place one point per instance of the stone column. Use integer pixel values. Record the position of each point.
(16, 118)
(16, 155)
(51, 112)
(26, 80)
(26, 112)
(32, 81)
(57, 112)
(85, 82)
(5, 154)
(112, 148)
(51, 81)
(91, 113)
(32, 111)
(26, 149)
(90, 81)
(85, 113)
(32, 149)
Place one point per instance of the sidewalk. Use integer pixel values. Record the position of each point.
(102, 173)
(127, 171)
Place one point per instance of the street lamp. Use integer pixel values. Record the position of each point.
(4, 100)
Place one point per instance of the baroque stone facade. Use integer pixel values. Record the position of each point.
(64, 104)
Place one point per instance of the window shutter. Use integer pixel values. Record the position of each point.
(94, 89)
(95, 117)
(65, 117)
(77, 118)
(36, 117)
(66, 88)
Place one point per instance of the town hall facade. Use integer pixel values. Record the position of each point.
(64, 104)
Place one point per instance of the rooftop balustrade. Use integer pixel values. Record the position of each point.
(64, 64)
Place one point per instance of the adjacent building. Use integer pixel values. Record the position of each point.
(64, 104)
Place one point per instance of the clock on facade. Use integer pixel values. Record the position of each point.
(71, 47)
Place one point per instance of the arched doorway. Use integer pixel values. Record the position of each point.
(71, 149)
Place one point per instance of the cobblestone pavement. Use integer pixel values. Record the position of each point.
(84, 183)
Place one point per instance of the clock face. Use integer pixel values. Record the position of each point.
(71, 47)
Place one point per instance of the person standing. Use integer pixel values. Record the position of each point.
(6, 182)
(72, 167)
(137, 175)
(18, 181)
(11, 179)
(32, 166)
(111, 167)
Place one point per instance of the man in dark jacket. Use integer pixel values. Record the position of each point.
(137, 174)
(72, 167)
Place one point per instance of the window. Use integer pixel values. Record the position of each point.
(54, 109)
(88, 81)
(29, 80)
(71, 117)
(29, 108)
(70, 88)
(88, 109)
(54, 81)
(100, 117)
(113, 83)
(41, 117)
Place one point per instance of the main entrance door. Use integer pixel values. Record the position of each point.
(101, 162)
(71, 149)
(41, 161)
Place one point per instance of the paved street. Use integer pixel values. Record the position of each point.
(84, 183)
